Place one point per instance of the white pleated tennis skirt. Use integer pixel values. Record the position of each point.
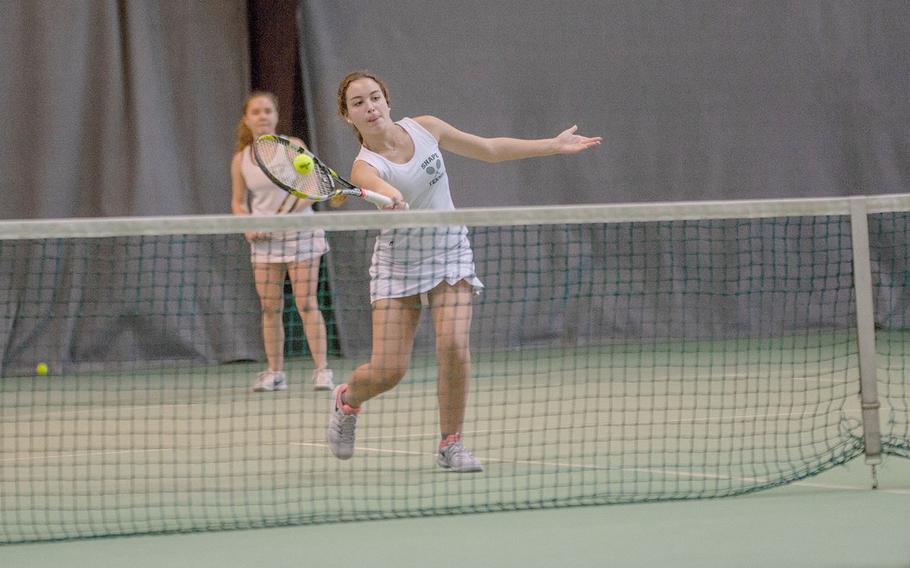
(399, 275)
(289, 247)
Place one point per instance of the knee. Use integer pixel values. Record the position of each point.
(308, 306)
(456, 363)
(453, 354)
(270, 307)
(388, 374)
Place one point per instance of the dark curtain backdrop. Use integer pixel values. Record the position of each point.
(124, 107)
(119, 107)
(696, 100)
(721, 99)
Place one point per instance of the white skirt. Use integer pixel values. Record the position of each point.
(392, 277)
(289, 247)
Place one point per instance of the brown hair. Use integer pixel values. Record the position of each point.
(343, 89)
(244, 137)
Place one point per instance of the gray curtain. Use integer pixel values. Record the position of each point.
(695, 100)
(122, 108)
(119, 107)
(129, 107)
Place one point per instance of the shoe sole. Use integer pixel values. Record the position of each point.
(451, 469)
(263, 389)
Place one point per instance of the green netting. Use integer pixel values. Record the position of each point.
(613, 360)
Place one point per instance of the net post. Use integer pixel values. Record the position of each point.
(865, 328)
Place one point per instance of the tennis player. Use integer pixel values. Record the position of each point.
(274, 255)
(410, 267)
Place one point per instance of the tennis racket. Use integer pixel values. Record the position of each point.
(275, 156)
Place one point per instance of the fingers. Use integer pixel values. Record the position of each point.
(397, 204)
(568, 131)
(572, 142)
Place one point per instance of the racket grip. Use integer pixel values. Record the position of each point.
(376, 198)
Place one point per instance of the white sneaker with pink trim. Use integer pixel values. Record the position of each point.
(342, 421)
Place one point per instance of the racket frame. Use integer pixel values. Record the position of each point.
(321, 169)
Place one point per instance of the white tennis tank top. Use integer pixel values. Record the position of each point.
(424, 184)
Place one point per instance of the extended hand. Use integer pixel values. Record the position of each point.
(569, 143)
(397, 204)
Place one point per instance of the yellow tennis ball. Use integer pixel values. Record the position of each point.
(303, 164)
(41, 369)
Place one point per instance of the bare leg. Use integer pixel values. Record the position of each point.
(305, 282)
(452, 310)
(394, 323)
(270, 286)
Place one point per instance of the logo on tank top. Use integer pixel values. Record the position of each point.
(433, 167)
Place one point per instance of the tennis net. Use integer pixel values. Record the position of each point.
(619, 353)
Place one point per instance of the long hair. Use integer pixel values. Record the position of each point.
(343, 90)
(243, 136)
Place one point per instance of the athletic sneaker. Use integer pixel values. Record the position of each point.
(453, 456)
(343, 420)
(322, 380)
(270, 381)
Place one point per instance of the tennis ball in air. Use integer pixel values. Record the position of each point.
(303, 164)
(41, 369)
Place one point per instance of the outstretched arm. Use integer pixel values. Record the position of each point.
(364, 175)
(502, 149)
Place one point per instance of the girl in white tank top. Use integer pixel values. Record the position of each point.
(408, 262)
(403, 161)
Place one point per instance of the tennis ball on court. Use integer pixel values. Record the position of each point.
(41, 369)
(303, 164)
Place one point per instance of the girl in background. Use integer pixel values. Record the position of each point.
(274, 255)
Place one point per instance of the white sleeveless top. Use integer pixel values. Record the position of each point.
(407, 262)
(268, 199)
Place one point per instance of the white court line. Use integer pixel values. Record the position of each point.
(704, 419)
(825, 381)
(65, 413)
(82, 455)
(664, 472)
(655, 471)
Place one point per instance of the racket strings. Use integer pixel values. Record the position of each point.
(278, 159)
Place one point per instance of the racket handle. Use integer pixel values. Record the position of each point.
(375, 198)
